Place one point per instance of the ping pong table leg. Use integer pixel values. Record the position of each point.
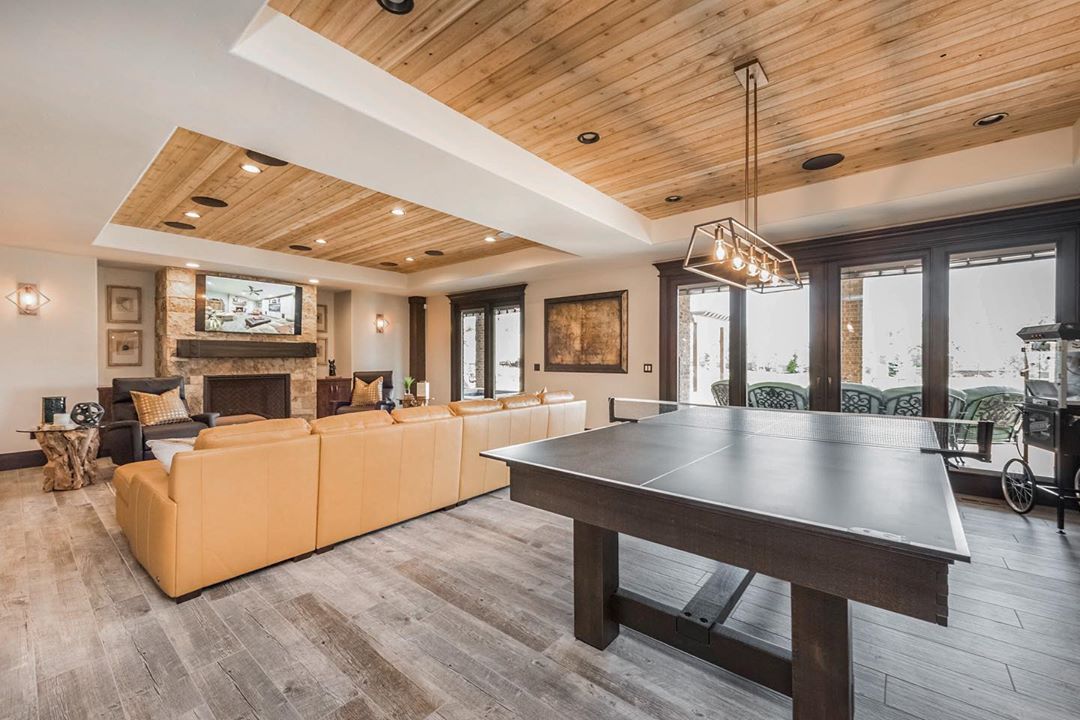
(821, 674)
(596, 578)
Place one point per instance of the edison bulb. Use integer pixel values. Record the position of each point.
(738, 262)
(775, 280)
(752, 269)
(720, 252)
(28, 299)
(765, 275)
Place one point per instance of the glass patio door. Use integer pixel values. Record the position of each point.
(473, 353)
(704, 337)
(508, 375)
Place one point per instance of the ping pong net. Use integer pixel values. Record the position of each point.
(947, 437)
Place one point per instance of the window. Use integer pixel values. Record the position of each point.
(778, 349)
(881, 338)
(704, 319)
(487, 350)
(991, 296)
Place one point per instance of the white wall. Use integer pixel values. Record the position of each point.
(132, 278)
(52, 353)
(644, 302)
(370, 350)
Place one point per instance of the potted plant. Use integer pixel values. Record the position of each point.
(409, 400)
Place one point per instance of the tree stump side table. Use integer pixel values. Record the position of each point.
(70, 456)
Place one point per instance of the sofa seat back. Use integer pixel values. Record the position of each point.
(372, 477)
(253, 433)
(242, 508)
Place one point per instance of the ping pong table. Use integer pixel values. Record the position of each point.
(843, 507)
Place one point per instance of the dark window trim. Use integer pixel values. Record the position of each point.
(488, 301)
(1053, 223)
(418, 337)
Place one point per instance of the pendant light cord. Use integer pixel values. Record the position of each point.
(755, 156)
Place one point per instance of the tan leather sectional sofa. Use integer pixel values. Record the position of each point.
(252, 495)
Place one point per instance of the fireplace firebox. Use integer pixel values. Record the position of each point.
(268, 395)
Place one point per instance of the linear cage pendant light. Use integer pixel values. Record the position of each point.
(731, 251)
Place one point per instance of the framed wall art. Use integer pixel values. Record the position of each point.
(124, 348)
(586, 333)
(123, 304)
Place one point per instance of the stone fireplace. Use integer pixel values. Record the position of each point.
(267, 395)
(175, 321)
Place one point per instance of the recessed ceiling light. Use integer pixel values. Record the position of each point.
(398, 211)
(387, 263)
(209, 201)
(434, 253)
(673, 198)
(489, 238)
(253, 169)
(300, 248)
(313, 281)
(821, 162)
(192, 265)
(991, 119)
(398, 7)
(179, 225)
(409, 259)
(265, 159)
(192, 214)
(320, 241)
(588, 138)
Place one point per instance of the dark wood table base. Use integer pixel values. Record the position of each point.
(816, 673)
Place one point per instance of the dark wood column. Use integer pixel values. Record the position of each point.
(418, 337)
(936, 333)
(821, 675)
(596, 578)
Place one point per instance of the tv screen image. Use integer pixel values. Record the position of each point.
(239, 305)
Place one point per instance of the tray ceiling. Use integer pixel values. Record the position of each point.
(882, 83)
(289, 205)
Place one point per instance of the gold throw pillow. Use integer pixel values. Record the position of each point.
(160, 409)
(367, 393)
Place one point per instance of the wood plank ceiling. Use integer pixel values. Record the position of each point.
(881, 81)
(288, 205)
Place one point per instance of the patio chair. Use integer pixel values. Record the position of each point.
(865, 399)
(721, 393)
(778, 396)
(907, 400)
(1000, 405)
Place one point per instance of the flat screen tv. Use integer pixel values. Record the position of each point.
(239, 305)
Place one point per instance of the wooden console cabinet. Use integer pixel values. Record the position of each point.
(329, 392)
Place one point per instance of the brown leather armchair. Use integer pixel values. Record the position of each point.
(367, 376)
(124, 439)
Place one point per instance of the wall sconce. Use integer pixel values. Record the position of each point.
(381, 324)
(28, 298)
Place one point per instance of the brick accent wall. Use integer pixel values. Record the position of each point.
(851, 330)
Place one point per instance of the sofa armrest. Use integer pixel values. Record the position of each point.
(209, 419)
(122, 440)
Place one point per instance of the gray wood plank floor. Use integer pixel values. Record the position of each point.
(467, 613)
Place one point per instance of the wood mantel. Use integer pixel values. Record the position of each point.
(243, 349)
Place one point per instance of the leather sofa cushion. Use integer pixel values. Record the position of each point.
(351, 421)
(554, 397)
(254, 433)
(475, 407)
(512, 402)
(124, 474)
(421, 414)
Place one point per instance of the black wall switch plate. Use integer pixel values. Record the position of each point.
(648, 367)
(536, 366)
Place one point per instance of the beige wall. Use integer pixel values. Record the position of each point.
(52, 353)
(143, 279)
(643, 297)
(370, 350)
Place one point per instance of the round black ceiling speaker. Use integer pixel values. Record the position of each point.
(387, 263)
(821, 162)
(434, 253)
(991, 119)
(209, 201)
(300, 248)
(673, 198)
(588, 138)
(398, 7)
(179, 225)
(265, 159)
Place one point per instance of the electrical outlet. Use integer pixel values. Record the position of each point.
(536, 367)
(648, 367)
